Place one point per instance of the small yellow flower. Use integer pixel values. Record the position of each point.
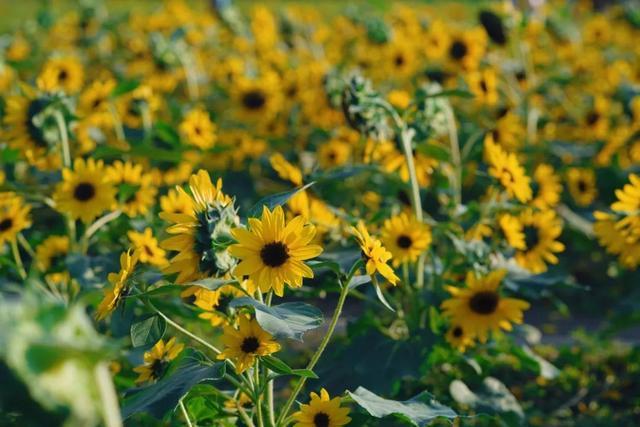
(118, 289)
(14, 216)
(244, 344)
(406, 238)
(374, 254)
(322, 411)
(147, 248)
(157, 360)
(198, 129)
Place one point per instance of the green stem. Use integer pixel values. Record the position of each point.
(456, 178)
(183, 330)
(316, 356)
(245, 417)
(258, 393)
(185, 414)
(64, 138)
(27, 247)
(101, 222)
(108, 396)
(18, 259)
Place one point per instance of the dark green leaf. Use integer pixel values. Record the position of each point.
(123, 87)
(167, 133)
(288, 320)
(211, 283)
(494, 397)
(275, 200)
(359, 280)
(281, 368)
(147, 331)
(162, 397)
(419, 410)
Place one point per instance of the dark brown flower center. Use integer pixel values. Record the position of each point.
(274, 254)
(457, 332)
(254, 100)
(404, 241)
(399, 60)
(484, 302)
(458, 50)
(483, 86)
(321, 420)
(582, 186)
(6, 224)
(63, 75)
(531, 236)
(157, 368)
(593, 117)
(250, 345)
(84, 191)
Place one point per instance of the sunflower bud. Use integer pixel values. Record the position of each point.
(362, 107)
(215, 237)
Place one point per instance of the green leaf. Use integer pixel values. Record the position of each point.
(493, 398)
(147, 331)
(419, 410)
(281, 368)
(435, 151)
(450, 93)
(381, 297)
(163, 396)
(275, 200)
(124, 86)
(317, 264)
(359, 280)
(288, 320)
(167, 133)
(211, 283)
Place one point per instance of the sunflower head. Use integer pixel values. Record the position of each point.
(202, 234)
(244, 344)
(14, 216)
(156, 360)
(405, 237)
(272, 251)
(479, 307)
(322, 411)
(119, 284)
(374, 255)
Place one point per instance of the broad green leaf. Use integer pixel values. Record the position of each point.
(123, 87)
(317, 264)
(163, 396)
(288, 320)
(275, 200)
(359, 280)
(280, 367)
(419, 410)
(494, 397)
(435, 151)
(167, 133)
(148, 331)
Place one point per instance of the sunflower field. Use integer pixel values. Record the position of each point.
(320, 214)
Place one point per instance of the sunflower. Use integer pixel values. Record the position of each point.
(484, 86)
(458, 338)
(406, 238)
(198, 130)
(333, 154)
(119, 284)
(375, 255)
(436, 40)
(504, 167)
(285, 169)
(582, 185)
(508, 131)
(51, 253)
(14, 216)
(156, 360)
(136, 192)
(244, 344)
(93, 103)
(258, 99)
(400, 99)
(547, 185)
(466, 48)
(628, 205)
(541, 229)
(615, 240)
(177, 202)
(201, 235)
(512, 230)
(65, 73)
(322, 411)
(394, 161)
(27, 121)
(85, 192)
(272, 251)
(478, 308)
(215, 303)
(400, 58)
(596, 120)
(147, 248)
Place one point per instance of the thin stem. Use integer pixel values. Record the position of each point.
(183, 330)
(245, 417)
(185, 413)
(18, 259)
(316, 356)
(117, 123)
(25, 244)
(237, 384)
(64, 138)
(455, 154)
(257, 393)
(108, 396)
(84, 241)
